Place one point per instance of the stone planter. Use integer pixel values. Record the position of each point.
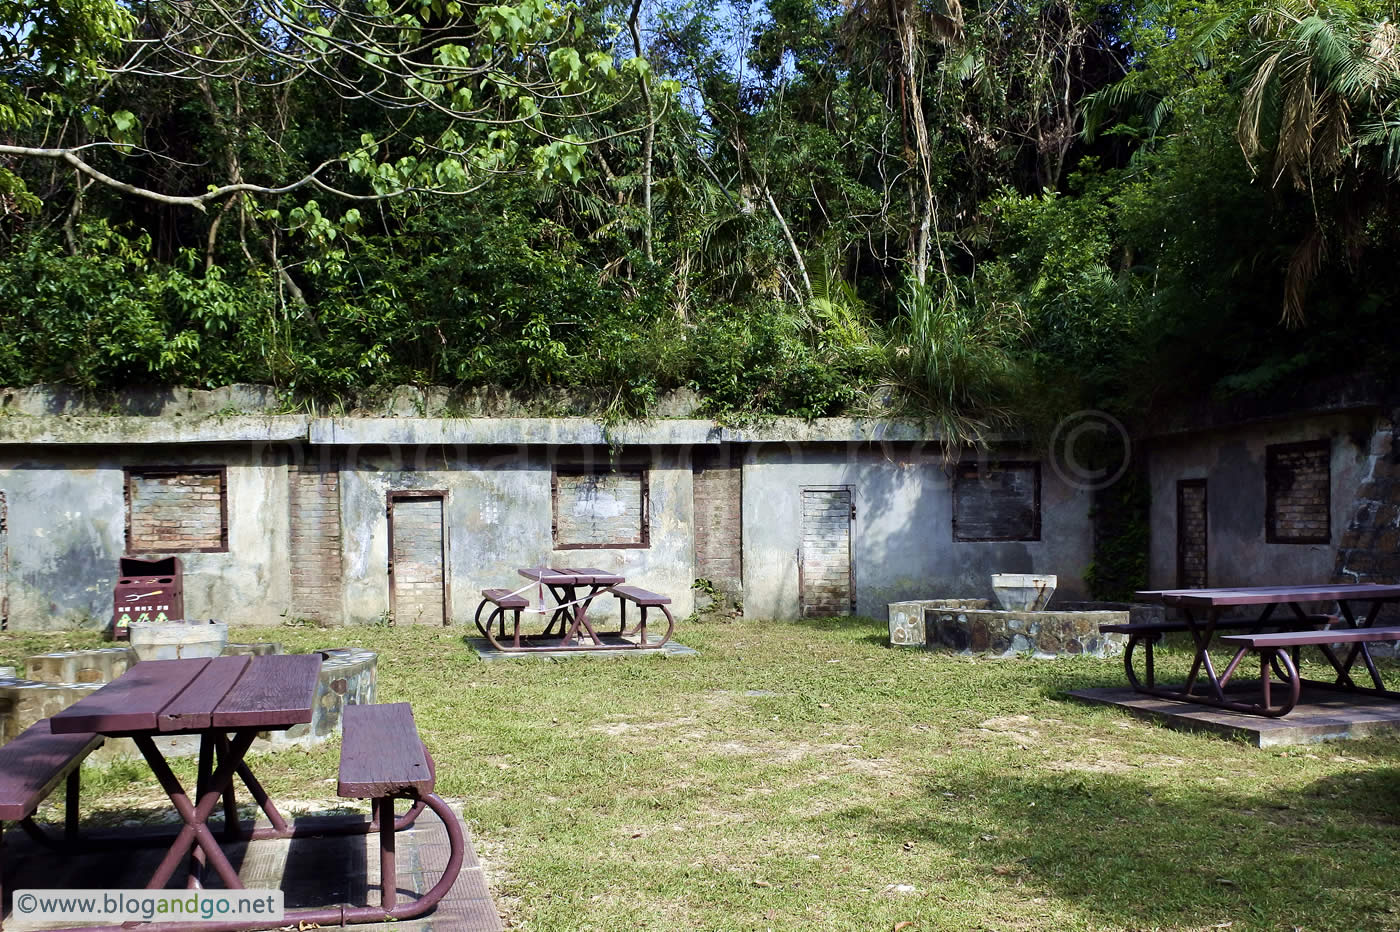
(1029, 634)
(173, 641)
(1023, 592)
(907, 628)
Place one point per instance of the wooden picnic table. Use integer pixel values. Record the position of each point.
(565, 584)
(226, 701)
(573, 590)
(1202, 611)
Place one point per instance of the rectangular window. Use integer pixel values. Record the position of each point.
(1298, 477)
(176, 509)
(996, 501)
(598, 509)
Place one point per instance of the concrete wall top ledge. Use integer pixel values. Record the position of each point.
(586, 431)
(567, 431)
(505, 431)
(134, 430)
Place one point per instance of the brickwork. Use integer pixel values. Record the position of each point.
(174, 511)
(1191, 543)
(1299, 480)
(997, 502)
(316, 543)
(718, 523)
(418, 561)
(602, 509)
(826, 552)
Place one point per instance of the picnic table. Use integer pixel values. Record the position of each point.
(573, 589)
(226, 702)
(1202, 612)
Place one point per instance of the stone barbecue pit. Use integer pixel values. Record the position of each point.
(973, 626)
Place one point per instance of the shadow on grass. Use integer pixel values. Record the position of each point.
(854, 627)
(1185, 852)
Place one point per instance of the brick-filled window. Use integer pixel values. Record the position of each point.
(600, 508)
(1298, 477)
(176, 509)
(996, 501)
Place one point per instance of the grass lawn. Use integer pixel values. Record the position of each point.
(806, 776)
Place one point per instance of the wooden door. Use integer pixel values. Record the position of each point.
(417, 558)
(826, 570)
(1192, 555)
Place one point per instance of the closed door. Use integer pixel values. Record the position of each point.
(1191, 552)
(4, 563)
(417, 557)
(826, 574)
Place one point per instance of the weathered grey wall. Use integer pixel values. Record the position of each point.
(903, 531)
(67, 522)
(1232, 461)
(498, 514)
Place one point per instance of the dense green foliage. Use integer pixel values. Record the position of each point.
(987, 212)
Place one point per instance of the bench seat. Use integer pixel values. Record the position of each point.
(640, 596)
(383, 759)
(381, 754)
(34, 763)
(1224, 624)
(504, 599)
(1306, 638)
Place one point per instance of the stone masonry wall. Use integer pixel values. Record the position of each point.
(316, 542)
(1369, 551)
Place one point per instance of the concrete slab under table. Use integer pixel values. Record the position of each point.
(310, 871)
(1320, 715)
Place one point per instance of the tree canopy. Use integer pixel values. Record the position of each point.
(984, 211)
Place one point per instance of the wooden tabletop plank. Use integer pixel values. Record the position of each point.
(1264, 595)
(277, 691)
(132, 701)
(193, 708)
(548, 576)
(591, 575)
(381, 752)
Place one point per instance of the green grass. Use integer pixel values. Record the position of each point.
(800, 775)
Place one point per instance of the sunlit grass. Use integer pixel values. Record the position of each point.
(805, 776)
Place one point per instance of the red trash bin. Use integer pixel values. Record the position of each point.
(147, 590)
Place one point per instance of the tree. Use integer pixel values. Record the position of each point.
(462, 90)
(1324, 103)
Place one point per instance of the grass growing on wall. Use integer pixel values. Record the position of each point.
(805, 775)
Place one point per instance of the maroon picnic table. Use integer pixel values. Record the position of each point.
(226, 701)
(1202, 610)
(573, 590)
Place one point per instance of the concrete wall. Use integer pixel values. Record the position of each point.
(903, 531)
(67, 523)
(1232, 461)
(62, 478)
(498, 513)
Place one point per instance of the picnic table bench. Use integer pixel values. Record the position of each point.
(31, 767)
(569, 628)
(227, 702)
(1281, 649)
(1278, 649)
(383, 759)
